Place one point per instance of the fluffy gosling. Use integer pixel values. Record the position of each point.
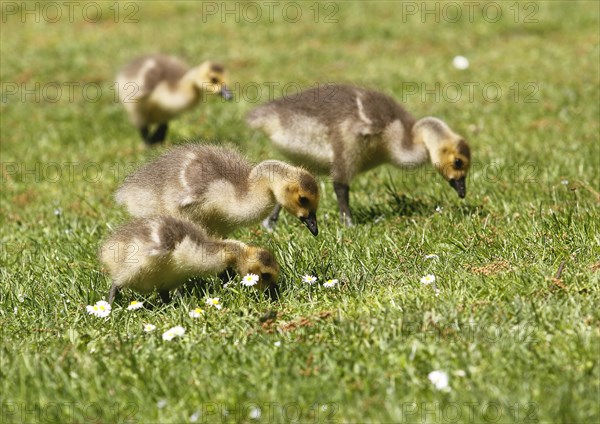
(217, 188)
(162, 252)
(155, 89)
(343, 130)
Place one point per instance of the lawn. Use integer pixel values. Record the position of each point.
(519, 340)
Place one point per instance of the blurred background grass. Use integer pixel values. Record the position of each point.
(62, 160)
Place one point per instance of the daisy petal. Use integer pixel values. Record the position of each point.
(309, 279)
(135, 305)
(249, 280)
(171, 333)
(439, 379)
(148, 328)
(101, 309)
(428, 279)
(330, 283)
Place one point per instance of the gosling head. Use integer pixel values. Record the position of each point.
(299, 195)
(212, 78)
(449, 152)
(260, 262)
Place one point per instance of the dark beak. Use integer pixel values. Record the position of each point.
(460, 186)
(311, 223)
(225, 93)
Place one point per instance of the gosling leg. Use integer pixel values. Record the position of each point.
(114, 291)
(145, 133)
(160, 134)
(342, 192)
(271, 221)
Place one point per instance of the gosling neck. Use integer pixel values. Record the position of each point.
(271, 176)
(405, 148)
(187, 83)
(234, 253)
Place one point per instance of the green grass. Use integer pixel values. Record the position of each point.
(518, 346)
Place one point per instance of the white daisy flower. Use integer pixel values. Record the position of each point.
(148, 328)
(255, 413)
(439, 209)
(432, 256)
(214, 302)
(196, 313)
(21, 297)
(161, 403)
(178, 330)
(277, 344)
(135, 305)
(249, 280)
(439, 380)
(565, 182)
(195, 417)
(460, 62)
(101, 309)
(330, 283)
(170, 334)
(428, 279)
(309, 279)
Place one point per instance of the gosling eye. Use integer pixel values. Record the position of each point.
(458, 163)
(214, 80)
(265, 276)
(303, 201)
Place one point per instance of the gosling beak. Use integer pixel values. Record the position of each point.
(311, 223)
(226, 93)
(460, 186)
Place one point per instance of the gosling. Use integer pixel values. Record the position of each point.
(162, 252)
(343, 130)
(217, 188)
(155, 89)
